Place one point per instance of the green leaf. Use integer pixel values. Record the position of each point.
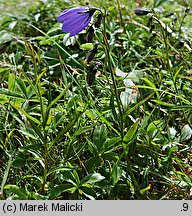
(37, 130)
(144, 190)
(151, 85)
(93, 162)
(6, 173)
(28, 116)
(92, 178)
(19, 162)
(21, 85)
(65, 129)
(86, 46)
(35, 196)
(92, 148)
(58, 97)
(56, 191)
(116, 174)
(21, 193)
(88, 192)
(76, 177)
(104, 120)
(72, 101)
(112, 143)
(70, 177)
(129, 111)
(99, 137)
(11, 82)
(40, 75)
(91, 114)
(59, 169)
(163, 103)
(28, 133)
(84, 129)
(110, 156)
(131, 132)
(157, 3)
(36, 154)
(112, 105)
(4, 72)
(11, 94)
(153, 127)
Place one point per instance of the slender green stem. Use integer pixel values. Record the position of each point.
(6, 173)
(165, 31)
(114, 84)
(136, 186)
(45, 144)
(120, 14)
(182, 21)
(37, 84)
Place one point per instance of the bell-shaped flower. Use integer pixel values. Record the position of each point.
(75, 19)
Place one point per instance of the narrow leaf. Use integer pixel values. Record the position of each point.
(131, 132)
(116, 174)
(56, 191)
(92, 178)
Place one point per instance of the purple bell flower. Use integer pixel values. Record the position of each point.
(75, 19)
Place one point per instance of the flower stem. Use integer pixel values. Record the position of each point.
(107, 50)
(120, 14)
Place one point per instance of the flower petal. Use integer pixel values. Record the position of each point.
(71, 13)
(76, 26)
(75, 19)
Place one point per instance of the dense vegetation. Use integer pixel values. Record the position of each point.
(116, 125)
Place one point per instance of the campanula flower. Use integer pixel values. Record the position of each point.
(75, 19)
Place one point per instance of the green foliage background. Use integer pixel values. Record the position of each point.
(128, 135)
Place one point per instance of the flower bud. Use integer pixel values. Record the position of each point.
(90, 34)
(98, 22)
(90, 55)
(93, 70)
(91, 75)
(141, 11)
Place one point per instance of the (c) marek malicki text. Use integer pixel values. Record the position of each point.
(67, 207)
(54, 207)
